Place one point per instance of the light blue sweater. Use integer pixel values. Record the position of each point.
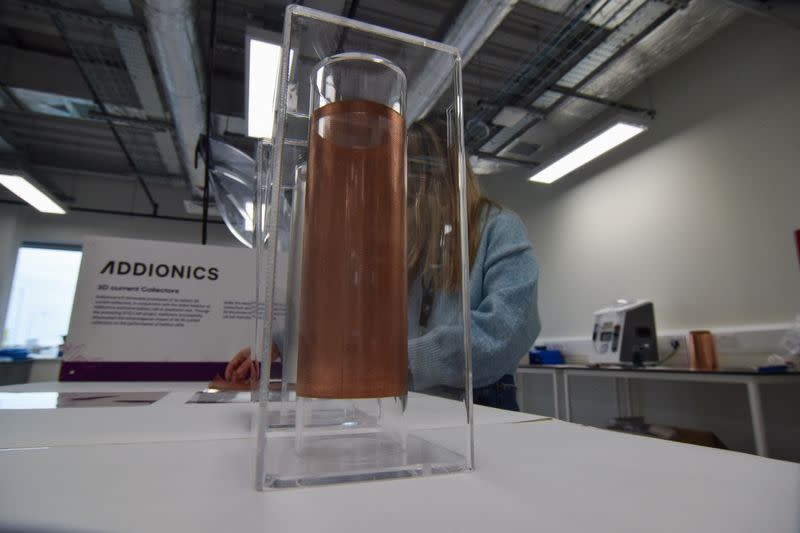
(504, 315)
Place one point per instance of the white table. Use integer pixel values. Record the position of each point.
(172, 419)
(531, 476)
(752, 380)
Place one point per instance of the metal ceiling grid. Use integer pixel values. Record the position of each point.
(67, 143)
(106, 72)
(143, 150)
(418, 17)
(538, 58)
(232, 21)
(674, 37)
(651, 37)
(629, 22)
(127, 132)
(565, 37)
(96, 49)
(423, 18)
(47, 132)
(519, 40)
(545, 86)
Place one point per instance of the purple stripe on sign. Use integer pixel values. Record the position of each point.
(140, 371)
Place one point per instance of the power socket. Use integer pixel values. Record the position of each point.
(672, 342)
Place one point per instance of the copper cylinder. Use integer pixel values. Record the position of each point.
(702, 350)
(353, 317)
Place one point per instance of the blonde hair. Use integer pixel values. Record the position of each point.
(434, 250)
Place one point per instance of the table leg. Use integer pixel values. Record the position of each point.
(567, 407)
(757, 418)
(622, 388)
(628, 401)
(556, 401)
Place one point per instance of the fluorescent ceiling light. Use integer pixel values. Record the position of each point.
(263, 71)
(26, 189)
(610, 138)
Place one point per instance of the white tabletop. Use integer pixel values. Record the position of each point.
(540, 476)
(177, 467)
(172, 419)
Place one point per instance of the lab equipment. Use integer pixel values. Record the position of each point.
(625, 333)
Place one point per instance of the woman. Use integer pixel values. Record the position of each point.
(504, 319)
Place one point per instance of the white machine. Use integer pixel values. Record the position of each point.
(625, 334)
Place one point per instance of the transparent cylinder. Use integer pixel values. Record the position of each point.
(352, 326)
(353, 323)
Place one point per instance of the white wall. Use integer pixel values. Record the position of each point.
(699, 212)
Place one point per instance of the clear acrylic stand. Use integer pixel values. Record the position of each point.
(363, 260)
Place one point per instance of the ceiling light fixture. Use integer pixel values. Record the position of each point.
(264, 63)
(605, 141)
(32, 192)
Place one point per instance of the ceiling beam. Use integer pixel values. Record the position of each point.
(95, 118)
(174, 180)
(123, 213)
(42, 72)
(83, 15)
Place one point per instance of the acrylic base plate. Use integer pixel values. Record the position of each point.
(328, 459)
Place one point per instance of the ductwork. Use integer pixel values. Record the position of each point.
(628, 66)
(475, 24)
(173, 38)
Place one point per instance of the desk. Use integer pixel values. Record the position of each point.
(531, 476)
(751, 379)
(172, 419)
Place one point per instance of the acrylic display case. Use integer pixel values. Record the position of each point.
(363, 260)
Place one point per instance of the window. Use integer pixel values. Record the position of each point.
(41, 296)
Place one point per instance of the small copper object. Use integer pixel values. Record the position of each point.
(702, 350)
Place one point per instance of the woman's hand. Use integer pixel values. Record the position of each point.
(241, 367)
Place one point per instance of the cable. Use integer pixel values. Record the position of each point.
(675, 345)
(209, 81)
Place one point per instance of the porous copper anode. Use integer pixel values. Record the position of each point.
(353, 317)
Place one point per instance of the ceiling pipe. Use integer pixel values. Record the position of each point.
(173, 38)
(471, 29)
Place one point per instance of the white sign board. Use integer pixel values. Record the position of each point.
(159, 310)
